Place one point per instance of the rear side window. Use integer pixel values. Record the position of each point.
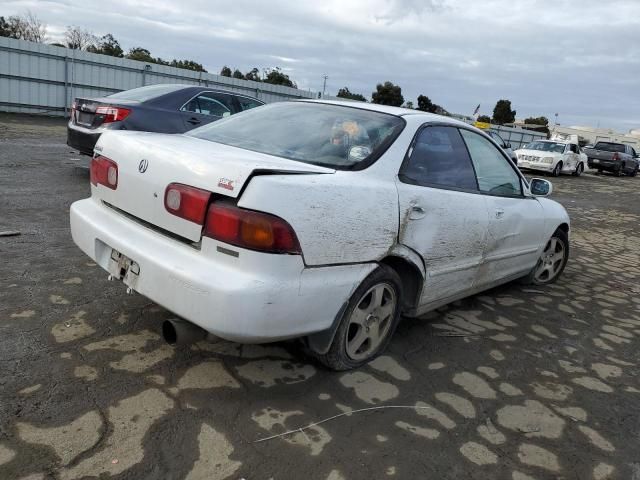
(439, 158)
(494, 172)
(247, 103)
(573, 148)
(609, 147)
(209, 103)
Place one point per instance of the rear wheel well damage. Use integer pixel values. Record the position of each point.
(411, 277)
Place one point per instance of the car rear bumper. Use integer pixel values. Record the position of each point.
(251, 298)
(82, 139)
(596, 163)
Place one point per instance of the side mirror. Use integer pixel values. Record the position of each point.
(358, 153)
(540, 187)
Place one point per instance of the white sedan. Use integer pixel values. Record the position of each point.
(552, 156)
(323, 220)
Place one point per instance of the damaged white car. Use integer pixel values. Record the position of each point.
(555, 156)
(322, 220)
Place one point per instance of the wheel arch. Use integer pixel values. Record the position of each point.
(409, 267)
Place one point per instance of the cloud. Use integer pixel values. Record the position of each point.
(580, 58)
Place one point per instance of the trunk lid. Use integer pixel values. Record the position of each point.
(148, 162)
(84, 114)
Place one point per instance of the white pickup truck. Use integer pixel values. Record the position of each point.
(560, 154)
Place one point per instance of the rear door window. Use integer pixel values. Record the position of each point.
(211, 103)
(494, 172)
(439, 158)
(247, 103)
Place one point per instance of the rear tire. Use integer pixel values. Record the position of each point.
(579, 169)
(634, 173)
(556, 171)
(618, 171)
(599, 171)
(368, 322)
(552, 261)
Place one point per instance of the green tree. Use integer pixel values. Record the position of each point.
(186, 64)
(502, 112)
(542, 121)
(225, 72)
(345, 93)
(254, 75)
(276, 76)
(387, 94)
(238, 74)
(408, 105)
(140, 54)
(426, 105)
(484, 118)
(107, 45)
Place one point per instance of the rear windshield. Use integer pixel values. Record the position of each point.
(609, 147)
(334, 136)
(143, 94)
(546, 147)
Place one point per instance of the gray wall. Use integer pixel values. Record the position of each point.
(37, 78)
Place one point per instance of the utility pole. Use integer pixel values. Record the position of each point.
(324, 84)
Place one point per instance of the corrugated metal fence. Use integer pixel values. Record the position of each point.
(37, 78)
(517, 137)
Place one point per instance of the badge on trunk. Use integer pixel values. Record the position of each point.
(142, 166)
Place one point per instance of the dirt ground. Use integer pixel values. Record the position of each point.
(517, 383)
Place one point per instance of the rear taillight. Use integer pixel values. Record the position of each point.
(104, 171)
(113, 114)
(615, 157)
(186, 202)
(250, 229)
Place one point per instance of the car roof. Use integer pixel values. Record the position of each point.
(398, 111)
(209, 88)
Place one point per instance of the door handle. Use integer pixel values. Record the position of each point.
(193, 121)
(499, 213)
(417, 212)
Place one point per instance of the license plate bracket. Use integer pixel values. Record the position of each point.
(123, 268)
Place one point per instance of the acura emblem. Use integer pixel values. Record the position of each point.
(142, 166)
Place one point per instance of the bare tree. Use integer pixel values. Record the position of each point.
(24, 27)
(79, 39)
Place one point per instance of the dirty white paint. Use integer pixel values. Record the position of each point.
(31, 389)
(210, 374)
(214, 461)
(461, 405)
(478, 454)
(603, 471)
(131, 418)
(532, 419)
(67, 441)
(390, 366)
(537, 456)
(474, 385)
(86, 372)
(267, 373)
(596, 439)
(433, 413)
(429, 433)
(592, 384)
(6, 454)
(73, 328)
(314, 438)
(368, 388)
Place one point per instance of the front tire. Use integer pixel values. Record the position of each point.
(368, 322)
(556, 171)
(552, 261)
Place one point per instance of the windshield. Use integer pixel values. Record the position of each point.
(334, 136)
(143, 94)
(546, 146)
(610, 147)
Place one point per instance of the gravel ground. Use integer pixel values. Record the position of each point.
(516, 383)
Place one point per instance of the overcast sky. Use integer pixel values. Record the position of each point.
(579, 58)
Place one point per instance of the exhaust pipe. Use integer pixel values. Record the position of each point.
(181, 332)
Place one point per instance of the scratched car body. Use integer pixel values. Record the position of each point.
(316, 219)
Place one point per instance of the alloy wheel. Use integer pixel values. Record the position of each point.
(551, 262)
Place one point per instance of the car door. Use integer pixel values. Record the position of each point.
(207, 107)
(573, 157)
(516, 222)
(443, 218)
